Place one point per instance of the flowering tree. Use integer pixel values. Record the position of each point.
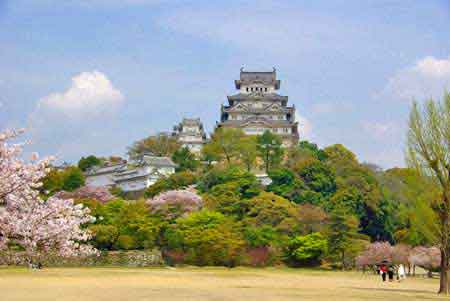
(375, 253)
(39, 227)
(175, 203)
(100, 194)
(401, 253)
(427, 258)
(18, 179)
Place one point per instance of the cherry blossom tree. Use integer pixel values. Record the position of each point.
(375, 253)
(175, 203)
(100, 194)
(18, 179)
(401, 253)
(428, 258)
(38, 227)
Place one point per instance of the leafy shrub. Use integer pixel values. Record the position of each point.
(87, 162)
(179, 180)
(104, 236)
(263, 236)
(207, 238)
(307, 250)
(226, 198)
(68, 179)
(125, 242)
(246, 183)
(268, 209)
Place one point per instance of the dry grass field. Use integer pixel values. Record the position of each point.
(197, 284)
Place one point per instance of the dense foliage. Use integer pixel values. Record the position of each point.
(88, 162)
(67, 179)
(322, 206)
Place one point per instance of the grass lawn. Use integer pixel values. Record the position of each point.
(205, 284)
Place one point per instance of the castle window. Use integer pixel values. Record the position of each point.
(266, 89)
(247, 89)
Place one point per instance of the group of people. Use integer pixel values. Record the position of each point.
(388, 271)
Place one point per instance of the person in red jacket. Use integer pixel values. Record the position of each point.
(383, 272)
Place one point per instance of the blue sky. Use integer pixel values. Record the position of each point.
(92, 76)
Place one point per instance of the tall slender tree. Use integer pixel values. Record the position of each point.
(270, 149)
(428, 150)
(247, 151)
(224, 144)
(343, 239)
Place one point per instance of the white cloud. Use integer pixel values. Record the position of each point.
(428, 77)
(90, 93)
(433, 67)
(304, 127)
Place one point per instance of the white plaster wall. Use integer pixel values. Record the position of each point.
(100, 180)
(134, 185)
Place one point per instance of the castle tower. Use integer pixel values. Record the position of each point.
(257, 107)
(190, 133)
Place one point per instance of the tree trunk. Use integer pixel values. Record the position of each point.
(443, 282)
(445, 247)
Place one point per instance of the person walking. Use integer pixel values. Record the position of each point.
(383, 271)
(390, 271)
(401, 272)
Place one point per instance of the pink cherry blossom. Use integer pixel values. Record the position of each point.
(39, 227)
(375, 253)
(428, 258)
(175, 203)
(100, 194)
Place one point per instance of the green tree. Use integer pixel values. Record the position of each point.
(178, 180)
(246, 182)
(87, 162)
(158, 145)
(315, 182)
(428, 148)
(264, 236)
(124, 225)
(344, 241)
(308, 249)
(104, 236)
(224, 144)
(359, 184)
(304, 150)
(270, 150)
(67, 179)
(227, 198)
(287, 184)
(185, 160)
(312, 219)
(409, 214)
(247, 151)
(207, 238)
(272, 210)
(73, 178)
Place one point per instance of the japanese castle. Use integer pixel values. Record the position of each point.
(258, 107)
(255, 108)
